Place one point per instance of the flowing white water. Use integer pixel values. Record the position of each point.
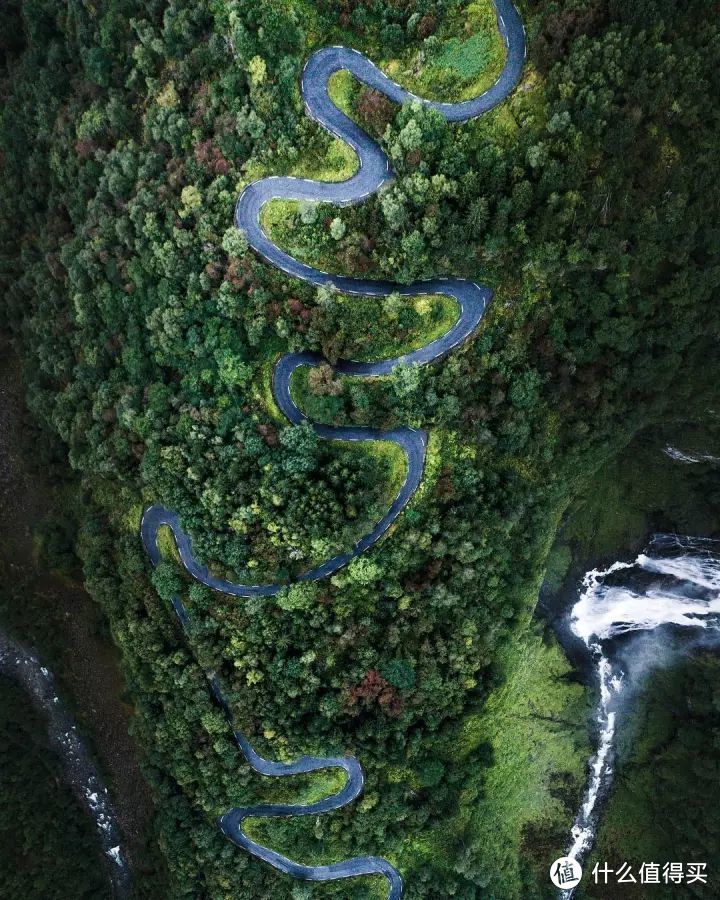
(22, 666)
(675, 582)
(689, 456)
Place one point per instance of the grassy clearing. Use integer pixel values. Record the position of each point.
(463, 59)
(436, 314)
(277, 220)
(166, 544)
(262, 389)
(340, 88)
(339, 163)
(468, 58)
(536, 724)
(393, 459)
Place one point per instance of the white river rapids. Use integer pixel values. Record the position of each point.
(673, 584)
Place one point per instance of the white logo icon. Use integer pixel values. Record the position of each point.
(565, 872)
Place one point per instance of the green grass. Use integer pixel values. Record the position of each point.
(468, 56)
(536, 724)
(166, 544)
(340, 88)
(339, 163)
(438, 314)
(278, 218)
(393, 459)
(262, 388)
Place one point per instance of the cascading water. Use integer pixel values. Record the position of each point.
(674, 583)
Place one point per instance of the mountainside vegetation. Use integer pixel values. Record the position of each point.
(587, 201)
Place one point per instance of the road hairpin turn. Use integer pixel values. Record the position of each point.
(373, 172)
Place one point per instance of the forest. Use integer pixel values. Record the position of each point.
(148, 330)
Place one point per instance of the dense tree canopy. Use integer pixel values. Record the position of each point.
(587, 201)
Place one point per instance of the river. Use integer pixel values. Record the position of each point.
(21, 665)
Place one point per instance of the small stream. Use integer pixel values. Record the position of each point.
(22, 666)
(673, 585)
(689, 457)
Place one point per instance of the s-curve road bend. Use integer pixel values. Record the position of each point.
(374, 171)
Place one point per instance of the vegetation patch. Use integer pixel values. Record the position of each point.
(535, 729)
(47, 846)
(150, 330)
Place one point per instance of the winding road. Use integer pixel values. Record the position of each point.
(374, 171)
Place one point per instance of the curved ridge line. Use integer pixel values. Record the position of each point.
(374, 171)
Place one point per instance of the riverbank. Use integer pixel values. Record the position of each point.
(43, 604)
(41, 861)
(21, 666)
